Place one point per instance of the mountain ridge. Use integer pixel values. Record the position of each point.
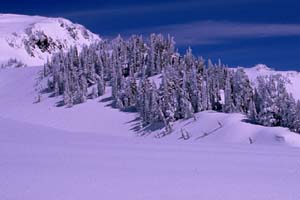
(292, 78)
(31, 40)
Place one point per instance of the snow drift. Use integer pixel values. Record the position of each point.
(39, 162)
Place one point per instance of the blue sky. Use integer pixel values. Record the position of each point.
(240, 32)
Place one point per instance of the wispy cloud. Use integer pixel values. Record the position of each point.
(132, 9)
(152, 8)
(213, 32)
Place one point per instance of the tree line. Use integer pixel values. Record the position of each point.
(152, 77)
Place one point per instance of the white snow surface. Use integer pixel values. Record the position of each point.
(91, 152)
(19, 35)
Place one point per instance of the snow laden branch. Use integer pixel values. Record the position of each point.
(151, 77)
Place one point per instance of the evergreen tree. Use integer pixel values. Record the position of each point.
(242, 91)
(228, 94)
(189, 84)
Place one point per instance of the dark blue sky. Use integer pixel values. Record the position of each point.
(240, 32)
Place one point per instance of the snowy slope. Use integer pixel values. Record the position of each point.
(221, 128)
(33, 39)
(90, 152)
(43, 163)
(17, 103)
(292, 77)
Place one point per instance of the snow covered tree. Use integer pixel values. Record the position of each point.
(195, 80)
(273, 102)
(188, 84)
(229, 106)
(295, 125)
(205, 93)
(242, 91)
(185, 107)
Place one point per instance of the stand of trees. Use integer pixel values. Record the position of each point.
(187, 84)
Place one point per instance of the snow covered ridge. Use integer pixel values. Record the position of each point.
(292, 78)
(31, 40)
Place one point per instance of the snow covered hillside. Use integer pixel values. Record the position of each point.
(90, 151)
(61, 137)
(92, 116)
(292, 77)
(17, 103)
(30, 40)
(43, 163)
